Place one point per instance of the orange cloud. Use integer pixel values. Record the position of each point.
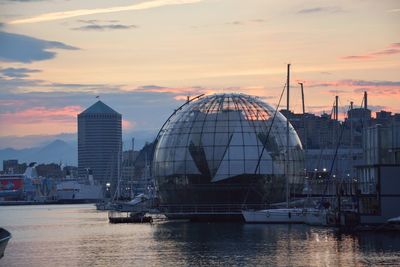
(181, 93)
(126, 125)
(180, 98)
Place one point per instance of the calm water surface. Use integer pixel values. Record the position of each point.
(78, 235)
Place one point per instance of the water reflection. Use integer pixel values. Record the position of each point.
(77, 235)
(276, 245)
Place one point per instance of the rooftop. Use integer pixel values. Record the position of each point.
(99, 108)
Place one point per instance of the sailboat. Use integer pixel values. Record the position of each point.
(111, 204)
(279, 215)
(288, 215)
(142, 201)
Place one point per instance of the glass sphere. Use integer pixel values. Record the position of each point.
(226, 149)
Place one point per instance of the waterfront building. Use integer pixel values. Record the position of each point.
(99, 143)
(378, 178)
(12, 166)
(315, 132)
(337, 146)
(321, 160)
(51, 170)
(221, 153)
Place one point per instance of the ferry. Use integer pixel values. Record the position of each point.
(73, 190)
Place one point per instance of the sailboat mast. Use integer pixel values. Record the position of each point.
(304, 117)
(119, 172)
(287, 134)
(351, 136)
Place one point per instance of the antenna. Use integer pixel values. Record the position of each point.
(337, 108)
(365, 100)
(302, 98)
(304, 117)
(133, 149)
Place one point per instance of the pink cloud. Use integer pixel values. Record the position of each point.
(40, 120)
(355, 88)
(395, 45)
(40, 114)
(349, 83)
(376, 91)
(358, 57)
(392, 49)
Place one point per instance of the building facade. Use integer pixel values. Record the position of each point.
(12, 166)
(99, 143)
(378, 178)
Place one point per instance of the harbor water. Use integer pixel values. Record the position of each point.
(78, 235)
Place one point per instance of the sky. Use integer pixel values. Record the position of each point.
(143, 58)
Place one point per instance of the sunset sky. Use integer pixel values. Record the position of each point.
(144, 57)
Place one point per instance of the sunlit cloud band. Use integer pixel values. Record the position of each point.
(85, 12)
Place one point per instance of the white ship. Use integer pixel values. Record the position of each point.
(79, 191)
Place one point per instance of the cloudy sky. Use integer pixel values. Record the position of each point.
(144, 57)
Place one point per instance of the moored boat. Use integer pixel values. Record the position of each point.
(5, 236)
(288, 215)
(85, 190)
(394, 223)
(317, 217)
(74, 191)
(128, 217)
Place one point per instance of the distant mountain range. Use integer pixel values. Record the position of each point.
(57, 151)
(53, 150)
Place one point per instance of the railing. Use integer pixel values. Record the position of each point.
(210, 209)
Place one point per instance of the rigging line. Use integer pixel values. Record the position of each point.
(335, 155)
(263, 147)
(343, 108)
(321, 152)
(208, 111)
(167, 121)
(362, 103)
(190, 125)
(333, 110)
(269, 130)
(251, 111)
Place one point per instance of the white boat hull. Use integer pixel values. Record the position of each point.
(73, 191)
(394, 223)
(274, 216)
(316, 217)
